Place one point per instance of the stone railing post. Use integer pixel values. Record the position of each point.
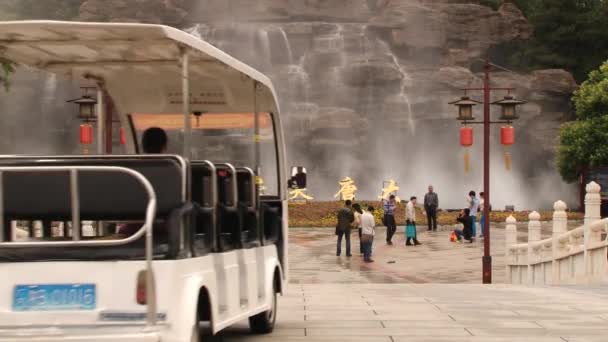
(510, 240)
(560, 226)
(533, 236)
(593, 203)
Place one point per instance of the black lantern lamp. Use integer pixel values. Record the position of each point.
(465, 108)
(197, 116)
(86, 105)
(509, 108)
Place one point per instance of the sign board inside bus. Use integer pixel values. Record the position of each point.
(204, 122)
(202, 97)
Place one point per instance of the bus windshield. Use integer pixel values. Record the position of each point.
(220, 137)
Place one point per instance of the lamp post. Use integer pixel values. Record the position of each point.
(465, 114)
(86, 112)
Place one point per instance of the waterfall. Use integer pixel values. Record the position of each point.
(405, 82)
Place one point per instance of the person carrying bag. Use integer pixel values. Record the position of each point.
(410, 223)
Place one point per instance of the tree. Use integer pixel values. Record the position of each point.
(582, 143)
(568, 34)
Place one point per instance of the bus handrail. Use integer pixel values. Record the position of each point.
(252, 187)
(75, 206)
(234, 188)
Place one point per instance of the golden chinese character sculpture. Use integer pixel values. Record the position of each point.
(390, 189)
(296, 194)
(347, 189)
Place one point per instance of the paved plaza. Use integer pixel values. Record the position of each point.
(342, 299)
(437, 260)
(436, 313)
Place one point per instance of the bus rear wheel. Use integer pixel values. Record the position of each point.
(263, 323)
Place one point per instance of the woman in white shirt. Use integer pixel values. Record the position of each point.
(368, 230)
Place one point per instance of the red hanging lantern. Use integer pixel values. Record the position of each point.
(123, 138)
(507, 138)
(466, 136)
(466, 140)
(507, 135)
(86, 134)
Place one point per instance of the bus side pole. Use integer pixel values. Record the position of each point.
(186, 104)
(100, 119)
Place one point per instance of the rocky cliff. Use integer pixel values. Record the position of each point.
(364, 87)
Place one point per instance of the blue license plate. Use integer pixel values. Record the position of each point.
(54, 297)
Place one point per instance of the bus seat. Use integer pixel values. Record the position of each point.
(107, 196)
(103, 195)
(229, 218)
(272, 222)
(204, 195)
(247, 207)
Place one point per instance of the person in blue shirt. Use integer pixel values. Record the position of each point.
(389, 218)
(474, 207)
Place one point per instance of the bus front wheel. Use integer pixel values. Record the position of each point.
(263, 322)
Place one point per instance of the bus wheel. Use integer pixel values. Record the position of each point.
(263, 322)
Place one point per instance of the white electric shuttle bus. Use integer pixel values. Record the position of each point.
(181, 238)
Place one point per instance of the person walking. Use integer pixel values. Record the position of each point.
(368, 231)
(410, 222)
(357, 211)
(389, 218)
(431, 204)
(345, 221)
(473, 212)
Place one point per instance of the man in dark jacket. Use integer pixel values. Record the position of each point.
(346, 218)
(431, 203)
(467, 222)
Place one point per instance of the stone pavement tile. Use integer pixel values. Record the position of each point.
(445, 323)
(412, 331)
(592, 308)
(330, 324)
(575, 324)
(366, 311)
(466, 324)
(548, 314)
(395, 301)
(393, 317)
(272, 338)
(522, 307)
(539, 332)
(480, 312)
(476, 339)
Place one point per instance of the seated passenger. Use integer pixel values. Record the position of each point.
(154, 141)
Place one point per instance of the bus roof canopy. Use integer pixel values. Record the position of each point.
(139, 65)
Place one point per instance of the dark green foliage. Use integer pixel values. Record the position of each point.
(568, 34)
(584, 142)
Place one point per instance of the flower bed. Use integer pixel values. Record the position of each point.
(323, 214)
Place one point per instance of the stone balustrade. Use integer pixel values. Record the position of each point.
(578, 256)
